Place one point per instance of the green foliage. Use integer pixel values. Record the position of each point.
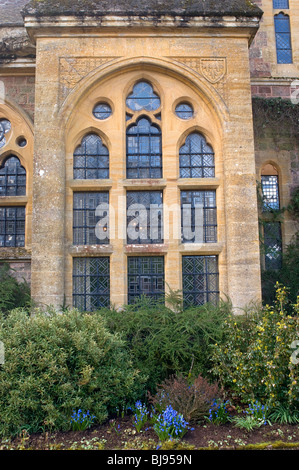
(284, 415)
(247, 422)
(253, 362)
(55, 363)
(13, 294)
(166, 341)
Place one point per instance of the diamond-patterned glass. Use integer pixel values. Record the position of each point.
(12, 226)
(102, 111)
(5, 127)
(200, 279)
(91, 283)
(283, 39)
(270, 192)
(91, 159)
(196, 158)
(273, 245)
(90, 228)
(145, 277)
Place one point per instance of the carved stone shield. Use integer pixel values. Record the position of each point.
(213, 69)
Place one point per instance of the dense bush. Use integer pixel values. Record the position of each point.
(57, 363)
(13, 294)
(254, 361)
(192, 399)
(164, 342)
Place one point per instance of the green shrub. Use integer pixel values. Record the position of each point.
(254, 361)
(13, 294)
(164, 342)
(55, 363)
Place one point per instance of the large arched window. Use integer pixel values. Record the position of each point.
(144, 154)
(12, 177)
(91, 159)
(196, 158)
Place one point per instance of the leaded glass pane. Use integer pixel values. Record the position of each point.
(184, 111)
(102, 111)
(270, 192)
(91, 218)
(144, 150)
(198, 216)
(143, 97)
(283, 4)
(12, 226)
(273, 245)
(91, 159)
(12, 178)
(144, 217)
(145, 277)
(196, 158)
(283, 39)
(200, 280)
(91, 283)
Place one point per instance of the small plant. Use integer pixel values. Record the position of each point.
(258, 411)
(81, 421)
(218, 412)
(140, 416)
(248, 422)
(170, 425)
(284, 415)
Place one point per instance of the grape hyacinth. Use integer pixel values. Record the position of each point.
(170, 424)
(81, 421)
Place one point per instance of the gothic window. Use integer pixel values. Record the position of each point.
(144, 139)
(90, 218)
(200, 279)
(12, 226)
(145, 277)
(91, 159)
(283, 38)
(198, 216)
(91, 283)
(196, 158)
(144, 217)
(12, 177)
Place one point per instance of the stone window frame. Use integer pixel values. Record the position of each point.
(105, 130)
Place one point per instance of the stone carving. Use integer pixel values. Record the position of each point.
(73, 69)
(212, 69)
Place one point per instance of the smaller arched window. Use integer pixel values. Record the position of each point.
(144, 150)
(196, 158)
(270, 187)
(283, 38)
(12, 177)
(91, 159)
